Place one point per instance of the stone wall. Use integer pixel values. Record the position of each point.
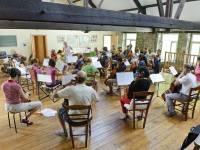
(146, 40)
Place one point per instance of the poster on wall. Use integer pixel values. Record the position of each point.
(84, 41)
(93, 39)
(73, 41)
(60, 38)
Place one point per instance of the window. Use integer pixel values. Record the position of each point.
(169, 44)
(107, 41)
(131, 39)
(8, 41)
(195, 47)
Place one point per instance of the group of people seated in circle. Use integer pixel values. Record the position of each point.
(140, 62)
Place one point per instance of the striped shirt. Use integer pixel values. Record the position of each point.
(12, 91)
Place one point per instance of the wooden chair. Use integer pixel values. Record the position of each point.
(189, 104)
(92, 82)
(33, 80)
(82, 119)
(14, 120)
(141, 105)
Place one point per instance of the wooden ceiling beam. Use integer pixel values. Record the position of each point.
(156, 5)
(160, 8)
(179, 9)
(141, 9)
(28, 12)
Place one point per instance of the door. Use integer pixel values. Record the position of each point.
(107, 41)
(40, 47)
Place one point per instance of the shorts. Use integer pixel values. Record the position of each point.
(22, 107)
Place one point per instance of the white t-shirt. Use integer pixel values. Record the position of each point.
(188, 81)
(78, 95)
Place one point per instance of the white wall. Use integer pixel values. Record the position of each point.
(24, 38)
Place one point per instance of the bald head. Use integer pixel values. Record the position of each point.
(81, 77)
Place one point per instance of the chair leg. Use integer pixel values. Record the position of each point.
(193, 110)
(25, 117)
(14, 123)
(90, 133)
(86, 135)
(186, 113)
(133, 119)
(20, 117)
(9, 120)
(145, 118)
(71, 135)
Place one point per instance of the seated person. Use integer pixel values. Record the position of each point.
(53, 55)
(197, 70)
(141, 83)
(79, 64)
(120, 67)
(16, 100)
(188, 81)
(80, 94)
(134, 66)
(90, 70)
(51, 70)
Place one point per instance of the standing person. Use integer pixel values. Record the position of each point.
(188, 81)
(16, 100)
(80, 94)
(156, 62)
(67, 49)
(142, 83)
(197, 70)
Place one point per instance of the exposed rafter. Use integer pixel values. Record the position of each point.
(41, 15)
(169, 9)
(179, 9)
(141, 9)
(92, 4)
(155, 5)
(160, 8)
(100, 3)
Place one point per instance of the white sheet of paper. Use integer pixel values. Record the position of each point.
(46, 62)
(67, 78)
(22, 70)
(124, 78)
(48, 112)
(127, 63)
(97, 64)
(94, 59)
(173, 70)
(44, 78)
(157, 78)
(60, 65)
(71, 59)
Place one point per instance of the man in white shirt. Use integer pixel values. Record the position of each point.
(80, 94)
(67, 49)
(188, 81)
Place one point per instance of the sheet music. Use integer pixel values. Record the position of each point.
(48, 112)
(127, 63)
(44, 78)
(94, 59)
(173, 70)
(22, 70)
(71, 59)
(60, 65)
(46, 62)
(67, 78)
(97, 64)
(157, 78)
(124, 78)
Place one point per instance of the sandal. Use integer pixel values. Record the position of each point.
(27, 122)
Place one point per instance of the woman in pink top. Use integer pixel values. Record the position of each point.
(197, 70)
(51, 70)
(16, 100)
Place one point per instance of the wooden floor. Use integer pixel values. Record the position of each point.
(108, 131)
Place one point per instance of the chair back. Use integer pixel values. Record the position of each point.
(82, 114)
(194, 93)
(144, 102)
(33, 75)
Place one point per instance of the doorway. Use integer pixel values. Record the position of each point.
(39, 47)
